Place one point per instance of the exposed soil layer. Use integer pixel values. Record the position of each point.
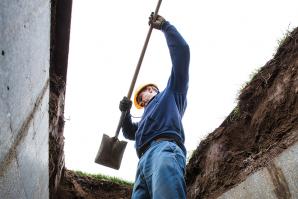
(56, 128)
(60, 32)
(264, 123)
(75, 186)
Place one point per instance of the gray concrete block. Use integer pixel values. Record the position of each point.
(256, 186)
(27, 164)
(24, 74)
(26, 44)
(32, 159)
(5, 115)
(288, 163)
(11, 187)
(33, 153)
(25, 63)
(41, 142)
(261, 184)
(5, 132)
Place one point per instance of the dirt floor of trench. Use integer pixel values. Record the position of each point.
(74, 186)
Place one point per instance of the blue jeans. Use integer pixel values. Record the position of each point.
(160, 173)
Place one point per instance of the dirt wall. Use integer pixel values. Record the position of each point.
(60, 33)
(261, 126)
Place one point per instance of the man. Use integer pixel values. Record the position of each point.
(159, 135)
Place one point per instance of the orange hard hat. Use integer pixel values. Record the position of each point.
(137, 92)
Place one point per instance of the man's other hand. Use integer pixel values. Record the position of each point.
(125, 104)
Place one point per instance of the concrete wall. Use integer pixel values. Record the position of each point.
(278, 180)
(24, 90)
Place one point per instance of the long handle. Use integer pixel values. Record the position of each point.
(134, 79)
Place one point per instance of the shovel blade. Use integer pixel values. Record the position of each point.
(110, 152)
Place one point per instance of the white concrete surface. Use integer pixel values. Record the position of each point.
(24, 95)
(260, 184)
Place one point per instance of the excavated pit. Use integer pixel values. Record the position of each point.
(264, 124)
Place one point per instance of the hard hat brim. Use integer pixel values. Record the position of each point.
(138, 91)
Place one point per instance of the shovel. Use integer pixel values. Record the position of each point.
(111, 149)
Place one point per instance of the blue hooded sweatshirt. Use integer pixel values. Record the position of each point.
(164, 112)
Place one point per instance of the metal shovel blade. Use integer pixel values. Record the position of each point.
(110, 152)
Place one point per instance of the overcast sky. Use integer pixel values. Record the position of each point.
(228, 41)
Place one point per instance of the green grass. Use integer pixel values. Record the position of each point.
(281, 40)
(104, 177)
(236, 111)
(251, 77)
(235, 114)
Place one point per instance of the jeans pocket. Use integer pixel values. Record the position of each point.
(179, 155)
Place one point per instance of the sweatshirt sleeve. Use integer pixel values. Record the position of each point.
(180, 55)
(129, 128)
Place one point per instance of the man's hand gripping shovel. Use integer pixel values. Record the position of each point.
(111, 150)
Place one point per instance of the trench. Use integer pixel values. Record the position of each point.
(248, 118)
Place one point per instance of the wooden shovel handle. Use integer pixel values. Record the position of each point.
(134, 79)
